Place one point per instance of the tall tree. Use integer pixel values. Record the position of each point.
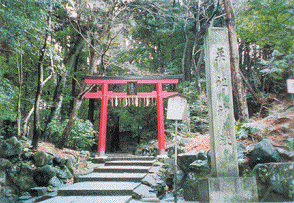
(41, 83)
(267, 23)
(238, 88)
(266, 48)
(99, 29)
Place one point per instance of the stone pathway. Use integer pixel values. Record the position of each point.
(111, 182)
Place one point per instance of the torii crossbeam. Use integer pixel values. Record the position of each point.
(105, 94)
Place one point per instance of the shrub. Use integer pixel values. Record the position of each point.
(81, 135)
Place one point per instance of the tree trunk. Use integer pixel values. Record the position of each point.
(91, 109)
(71, 122)
(187, 56)
(73, 82)
(54, 101)
(238, 88)
(59, 103)
(93, 58)
(26, 123)
(71, 62)
(37, 130)
(20, 79)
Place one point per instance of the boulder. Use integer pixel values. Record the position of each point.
(10, 148)
(61, 175)
(169, 197)
(71, 162)
(185, 159)
(199, 166)
(38, 191)
(5, 164)
(20, 177)
(180, 175)
(143, 191)
(285, 155)
(242, 162)
(3, 177)
(202, 155)
(240, 150)
(25, 183)
(62, 162)
(42, 158)
(55, 182)
(25, 196)
(24, 177)
(275, 181)
(7, 196)
(27, 156)
(43, 175)
(155, 182)
(85, 154)
(57, 161)
(243, 167)
(263, 152)
(149, 180)
(64, 173)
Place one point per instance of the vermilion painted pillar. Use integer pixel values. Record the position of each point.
(103, 121)
(160, 120)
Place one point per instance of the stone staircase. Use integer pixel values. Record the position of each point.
(111, 182)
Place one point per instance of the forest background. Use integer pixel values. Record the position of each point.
(46, 46)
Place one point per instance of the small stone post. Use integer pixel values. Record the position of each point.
(224, 185)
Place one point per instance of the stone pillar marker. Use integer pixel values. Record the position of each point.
(224, 162)
(225, 185)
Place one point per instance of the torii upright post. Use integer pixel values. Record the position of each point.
(103, 121)
(105, 94)
(160, 120)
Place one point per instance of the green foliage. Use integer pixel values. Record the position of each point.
(81, 135)
(23, 21)
(8, 99)
(266, 29)
(198, 107)
(276, 71)
(158, 37)
(246, 130)
(1, 139)
(268, 23)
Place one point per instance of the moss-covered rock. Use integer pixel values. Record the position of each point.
(41, 158)
(43, 175)
(10, 148)
(5, 164)
(275, 181)
(71, 163)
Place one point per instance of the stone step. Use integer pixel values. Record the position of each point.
(135, 158)
(121, 158)
(129, 163)
(92, 188)
(122, 169)
(89, 199)
(122, 177)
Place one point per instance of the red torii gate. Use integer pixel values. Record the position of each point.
(105, 94)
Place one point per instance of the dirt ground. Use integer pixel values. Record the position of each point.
(280, 129)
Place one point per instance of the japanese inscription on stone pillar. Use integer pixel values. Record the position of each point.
(220, 103)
